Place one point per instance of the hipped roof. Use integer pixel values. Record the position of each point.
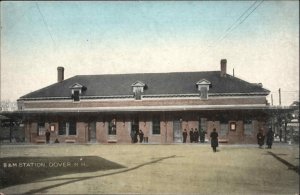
(156, 84)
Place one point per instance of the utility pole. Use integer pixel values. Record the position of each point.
(279, 91)
(272, 99)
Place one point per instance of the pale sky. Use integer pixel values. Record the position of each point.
(259, 40)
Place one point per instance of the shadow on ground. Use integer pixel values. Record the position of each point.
(21, 170)
(65, 181)
(289, 165)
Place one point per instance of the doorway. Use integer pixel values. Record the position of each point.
(92, 132)
(177, 131)
(134, 129)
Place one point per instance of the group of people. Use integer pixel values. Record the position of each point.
(135, 134)
(261, 138)
(269, 138)
(194, 135)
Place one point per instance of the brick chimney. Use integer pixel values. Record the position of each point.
(60, 74)
(223, 67)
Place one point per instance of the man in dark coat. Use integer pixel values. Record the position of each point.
(135, 139)
(202, 135)
(191, 135)
(196, 135)
(214, 140)
(270, 138)
(141, 135)
(184, 135)
(47, 136)
(260, 138)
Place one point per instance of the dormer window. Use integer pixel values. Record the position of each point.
(138, 89)
(76, 95)
(76, 90)
(203, 87)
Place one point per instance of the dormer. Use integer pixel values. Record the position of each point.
(203, 88)
(138, 88)
(76, 90)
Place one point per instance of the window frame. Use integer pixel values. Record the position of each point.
(66, 128)
(41, 129)
(224, 125)
(203, 92)
(248, 124)
(76, 98)
(156, 129)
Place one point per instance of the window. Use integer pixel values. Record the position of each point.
(41, 130)
(67, 128)
(72, 128)
(248, 127)
(112, 127)
(138, 94)
(223, 118)
(62, 128)
(203, 86)
(156, 125)
(138, 89)
(223, 128)
(77, 90)
(203, 92)
(76, 96)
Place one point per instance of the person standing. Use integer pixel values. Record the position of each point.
(48, 136)
(135, 139)
(141, 135)
(260, 138)
(202, 135)
(184, 135)
(270, 138)
(214, 140)
(191, 135)
(196, 135)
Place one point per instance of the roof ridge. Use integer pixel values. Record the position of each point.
(141, 73)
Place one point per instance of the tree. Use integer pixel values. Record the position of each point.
(7, 105)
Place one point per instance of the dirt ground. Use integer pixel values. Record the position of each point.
(167, 169)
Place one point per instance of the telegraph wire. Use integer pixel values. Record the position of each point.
(242, 20)
(234, 25)
(45, 23)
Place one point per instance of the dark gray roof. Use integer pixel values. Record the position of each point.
(156, 84)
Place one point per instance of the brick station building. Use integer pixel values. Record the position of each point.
(107, 108)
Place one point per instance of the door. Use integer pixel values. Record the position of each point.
(134, 129)
(92, 132)
(177, 131)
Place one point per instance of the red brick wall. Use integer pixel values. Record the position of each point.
(189, 120)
